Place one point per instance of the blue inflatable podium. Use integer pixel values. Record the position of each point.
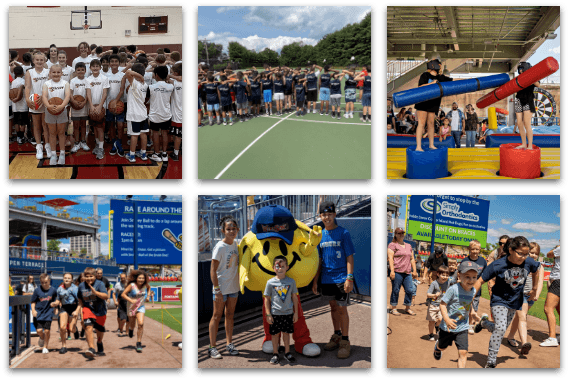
(429, 164)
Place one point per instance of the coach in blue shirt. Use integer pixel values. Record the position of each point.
(336, 253)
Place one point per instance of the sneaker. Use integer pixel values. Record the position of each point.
(432, 337)
(53, 160)
(130, 158)
(149, 143)
(333, 343)
(156, 157)
(213, 353)
(479, 326)
(210, 123)
(333, 114)
(525, 349)
(351, 116)
(361, 118)
(549, 342)
(275, 359)
(346, 115)
(75, 148)
(344, 351)
(321, 113)
(339, 116)
(45, 351)
(490, 365)
(76, 334)
(100, 349)
(231, 349)
(558, 338)
(224, 122)
(231, 122)
(100, 154)
(313, 110)
(120, 150)
(241, 119)
(84, 146)
(39, 152)
(180, 346)
(63, 350)
(436, 352)
(138, 347)
(164, 157)
(40, 342)
(48, 151)
(143, 156)
(20, 141)
(289, 358)
(33, 141)
(95, 150)
(90, 353)
(174, 156)
(61, 160)
(471, 330)
(113, 148)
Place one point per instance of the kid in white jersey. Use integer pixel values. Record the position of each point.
(116, 122)
(160, 115)
(19, 107)
(136, 114)
(56, 88)
(83, 49)
(35, 78)
(79, 116)
(176, 107)
(97, 90)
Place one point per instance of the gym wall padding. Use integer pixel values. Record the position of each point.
(405, 141)
(456, 87)
(543, 141)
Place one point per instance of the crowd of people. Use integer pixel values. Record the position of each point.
(514, 277)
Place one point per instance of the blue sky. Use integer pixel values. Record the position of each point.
(86, 205)
(537, 217)
(273, 27)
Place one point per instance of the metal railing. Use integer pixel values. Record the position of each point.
(20, 321)
(396, 199)
(303, 207)
(36, 253)
(395, 69)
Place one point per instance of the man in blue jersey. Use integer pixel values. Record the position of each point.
(337, 269)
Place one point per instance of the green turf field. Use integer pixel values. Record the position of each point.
(168, 319)
(537, 308)
(168, 303)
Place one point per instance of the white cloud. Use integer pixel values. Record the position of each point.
(546, 244)
(540, 227)
(497, 232)
(67, 246)
(401, 223)
(255, 42)
(507, 221)
(88, 199)
(491, 222)
(556, 50)
(103, 234)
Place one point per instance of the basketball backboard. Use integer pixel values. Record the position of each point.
(86, 19)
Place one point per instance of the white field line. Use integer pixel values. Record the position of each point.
(317, 121)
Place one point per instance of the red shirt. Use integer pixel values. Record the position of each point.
(361, 83)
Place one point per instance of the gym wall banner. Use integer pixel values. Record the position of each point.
(159, 232)
(459, 219)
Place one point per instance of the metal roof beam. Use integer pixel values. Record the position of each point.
(452, 25)
(497, 67)
(501, 53)
(549, 22)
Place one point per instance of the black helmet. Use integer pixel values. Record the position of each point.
(435, 64)
(523, 66)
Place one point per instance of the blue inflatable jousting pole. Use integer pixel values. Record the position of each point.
(437, 90)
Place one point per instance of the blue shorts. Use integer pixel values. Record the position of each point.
(350, 95)
(526, 300)
(366, 99)
(112, 117)
(268, 96)
(324, 94)
(212, 107)
(230, 295)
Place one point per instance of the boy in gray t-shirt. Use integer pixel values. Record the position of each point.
(280, 298)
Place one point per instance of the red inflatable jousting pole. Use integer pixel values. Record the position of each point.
(542, 70)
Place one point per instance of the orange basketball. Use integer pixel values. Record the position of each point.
(54, 101)
(12, 95)
(116, 107)
(97, 116)
(77, 98)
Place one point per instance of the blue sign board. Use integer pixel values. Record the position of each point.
(27, 265)
(159, 232)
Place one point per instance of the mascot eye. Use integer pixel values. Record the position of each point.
(266, 248)
(283, 248)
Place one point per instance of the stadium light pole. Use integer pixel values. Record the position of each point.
(434, 224)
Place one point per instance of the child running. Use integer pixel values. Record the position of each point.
(43, 302)
(136, 293)
(436, 291)
(68, 300)
(121, 303)
(455, 307)
(93, 300)
(510, 272)
(474, 256)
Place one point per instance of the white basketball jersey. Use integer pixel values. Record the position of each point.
(38, 79)
(176, 102)
(160, 94)
(115, 85)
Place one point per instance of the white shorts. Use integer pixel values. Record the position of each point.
(278, 96)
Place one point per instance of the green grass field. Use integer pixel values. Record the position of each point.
(168, 320)
(537, 308)
(168, 303)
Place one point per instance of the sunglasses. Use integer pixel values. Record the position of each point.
(500, 243)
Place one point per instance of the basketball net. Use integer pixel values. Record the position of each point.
(85, 28)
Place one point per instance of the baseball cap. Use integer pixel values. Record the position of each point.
(274, 221)
(326, 206)
(466, 265)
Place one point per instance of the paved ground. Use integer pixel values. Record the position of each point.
(248, 338)
(120, 352)
(408, 344)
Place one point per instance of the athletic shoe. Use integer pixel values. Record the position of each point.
(100, 154)
(432, 337)
(351, 116)
(241, 119)
(339, 116)
(90, 353)
(549, 342)
(113, 148)
(63, 350)
(436, 352)
(138, 347)
(328, 112)
(314, 110)
(558, 338)
(231, 122)
(479, 326)
(525, 348)
(275, 359)
(61, 160)
(490, 365)
(82, 333)
(40, 342)
(180, 346)
(333, 114)
(131, 158)
(231, 349)
(75, 148)
(289, 358)
(174, 156)
(53, 160)
(100, 349)
(48, 151)
(118, 146)
(142, 156)
(84, 146)
(333, 343)
(33, 141)
(20, 141)
(76, 334)
(361, 118)
(224, 122)
(281, 350)
(39, 152)
(45, 351)
(470, 330)
(164, 157)
(149, 143)
(321, 113)
(95, 150)
(156, 157)
(213, 353)
(344, 351)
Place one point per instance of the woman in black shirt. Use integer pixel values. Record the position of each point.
(427, 110)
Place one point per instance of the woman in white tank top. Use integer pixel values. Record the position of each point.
(35, 78)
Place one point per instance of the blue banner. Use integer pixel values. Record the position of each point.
(159, 227)
(27, 264)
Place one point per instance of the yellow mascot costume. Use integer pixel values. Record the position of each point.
(275, 232)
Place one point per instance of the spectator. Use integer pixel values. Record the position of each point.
(390, 117)
(29, 287)
(553, 297)
(402, 120)
(403, 271)
(435, 260)
(471, 126)
(457, 123)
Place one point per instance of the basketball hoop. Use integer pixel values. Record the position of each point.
(85, 28)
